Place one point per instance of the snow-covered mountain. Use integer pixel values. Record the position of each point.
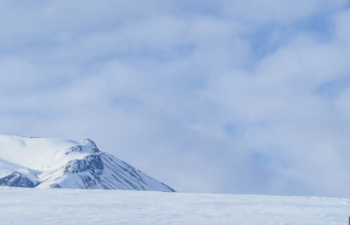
(58, 163)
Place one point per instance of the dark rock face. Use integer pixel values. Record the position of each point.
(16, 180)
(92, 163)
(99, 170)
(89, 169)
(55, 186)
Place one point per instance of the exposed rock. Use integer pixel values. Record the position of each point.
(16, 180)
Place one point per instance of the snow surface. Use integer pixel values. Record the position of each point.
(67, 206)
(33, 153)
(7, 168)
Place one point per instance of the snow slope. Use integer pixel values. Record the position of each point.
(67, 206)
(7, 168)
(33, 153)
(58, 163)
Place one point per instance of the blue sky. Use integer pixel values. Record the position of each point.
(245, 97)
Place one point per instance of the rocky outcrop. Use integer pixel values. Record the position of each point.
(101, 171)
(16, 180)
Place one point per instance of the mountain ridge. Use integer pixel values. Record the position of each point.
(59, 163)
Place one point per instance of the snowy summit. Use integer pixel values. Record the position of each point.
(57, 163)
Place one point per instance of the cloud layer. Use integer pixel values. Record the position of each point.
(231, 97)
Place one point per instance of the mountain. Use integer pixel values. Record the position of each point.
(57, 163)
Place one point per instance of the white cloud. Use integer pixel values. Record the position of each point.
(177, 89)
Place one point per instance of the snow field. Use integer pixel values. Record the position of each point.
(67, 206)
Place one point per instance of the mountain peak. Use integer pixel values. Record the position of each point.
(58, 163)
(89, 143)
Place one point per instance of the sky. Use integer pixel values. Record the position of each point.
(239, 97)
